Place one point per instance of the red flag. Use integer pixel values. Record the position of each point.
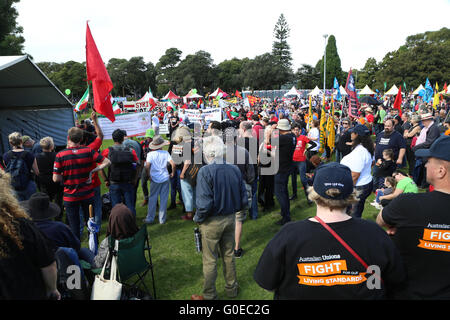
(353, 103)
(238, 94)
(398, 101)
(97, 73)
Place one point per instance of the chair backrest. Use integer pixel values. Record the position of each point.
(131, 258)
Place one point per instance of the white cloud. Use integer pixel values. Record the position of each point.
(55, 30)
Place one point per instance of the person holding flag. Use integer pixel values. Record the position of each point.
(353, 102)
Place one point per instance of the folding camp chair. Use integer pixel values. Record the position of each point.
(132, 261)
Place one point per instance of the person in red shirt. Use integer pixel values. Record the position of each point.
(299, 161)
(74, 167)
(370, 118)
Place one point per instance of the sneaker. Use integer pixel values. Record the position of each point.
(282, 222)
(186, 217)
(147, 221)
(378, 206)
(238, 253)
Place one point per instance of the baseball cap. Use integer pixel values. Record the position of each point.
(149, 133)
(360, 129)
(333, 175)
(440, 149)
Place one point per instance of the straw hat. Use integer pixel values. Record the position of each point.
(158, 142)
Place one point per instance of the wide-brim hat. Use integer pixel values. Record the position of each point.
(39, 207)
(158, 142)
(284, 125)
(426, 116)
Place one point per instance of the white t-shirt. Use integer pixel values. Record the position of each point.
(359, 160)
(158, 160)
(314, 133)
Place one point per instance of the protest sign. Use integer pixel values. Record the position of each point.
(212, 114)
(135, 124)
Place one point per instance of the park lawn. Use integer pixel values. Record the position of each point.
(177, 265)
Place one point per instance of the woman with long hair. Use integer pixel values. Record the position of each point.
(28, 268)
(360, 162)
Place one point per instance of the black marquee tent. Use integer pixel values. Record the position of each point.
(30, 103)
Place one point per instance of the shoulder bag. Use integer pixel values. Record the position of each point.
(108, 289)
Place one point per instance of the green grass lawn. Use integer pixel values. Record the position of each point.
(177, 265)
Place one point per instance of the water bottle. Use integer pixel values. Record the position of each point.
(198, 239)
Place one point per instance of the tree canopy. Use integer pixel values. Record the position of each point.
(11, 39)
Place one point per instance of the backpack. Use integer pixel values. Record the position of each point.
(19, 171)
(65, 258)
(121, 169)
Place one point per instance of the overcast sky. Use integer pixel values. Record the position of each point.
(55, 30)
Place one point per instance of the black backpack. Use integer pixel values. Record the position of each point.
(19, 171)
(121, 169)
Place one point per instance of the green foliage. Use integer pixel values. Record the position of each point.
(366, 76)
(307, 77)
(280, 47)
(333, 64)
(424, 55)
(165, 69)
(229, 74)
(11, 41)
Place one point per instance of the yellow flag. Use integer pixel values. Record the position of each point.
(330, 128)
(436, 100)
(310, 117)
(323, 120)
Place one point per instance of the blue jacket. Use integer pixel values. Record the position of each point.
(220, 191)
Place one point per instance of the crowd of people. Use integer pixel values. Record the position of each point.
(226, 172)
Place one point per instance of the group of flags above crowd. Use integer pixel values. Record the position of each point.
(104, 104)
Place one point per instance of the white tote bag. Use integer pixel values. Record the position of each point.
(104, 289)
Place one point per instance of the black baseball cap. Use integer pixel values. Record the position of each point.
(440, 149)
(333, 175)
(360, 129)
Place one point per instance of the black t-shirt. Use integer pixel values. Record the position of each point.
(45, 162)
(423, 239)
(20, 272)
(304, 261)
(286, 152)
(394, 141)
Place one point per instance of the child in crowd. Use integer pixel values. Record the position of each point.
(390, 183)
(384, 167)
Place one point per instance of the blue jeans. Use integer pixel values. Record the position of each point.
(254, 207)
(161, 190)
(125, 191)
(379, 194)
(24, 195)
(300, 168)
(363, 192)
(73, 214)
(281, 193)
(188, 194)
(97, 207)
(175, 186)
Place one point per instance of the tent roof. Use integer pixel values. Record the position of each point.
(146, 97)
(367, 90)
(170, 95)
(315, 92)
(23, 85)
(421, 87)
(392, 91)
(218, 90)
(292, 92)
(342, 90)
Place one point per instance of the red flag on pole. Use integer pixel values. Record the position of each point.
(398, 101)
(353, 103)
(101, 82)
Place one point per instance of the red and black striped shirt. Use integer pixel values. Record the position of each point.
(74, 165)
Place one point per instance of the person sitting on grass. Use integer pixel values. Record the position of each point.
(404, 185)
(390, 183)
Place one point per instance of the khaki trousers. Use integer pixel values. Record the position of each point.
(218, 239)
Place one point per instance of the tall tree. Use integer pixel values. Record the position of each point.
(333, 64)
(280, 48)
(11, 39)
(165, 70)
(263, 72)
(366, 76)
(229, 74)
